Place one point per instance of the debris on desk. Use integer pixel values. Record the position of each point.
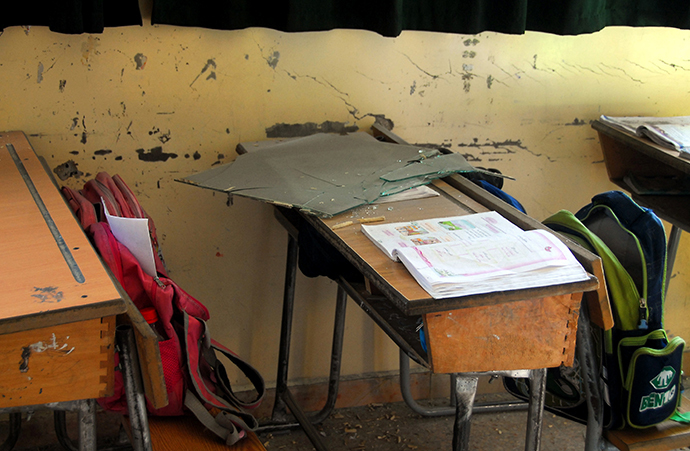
(327, 174)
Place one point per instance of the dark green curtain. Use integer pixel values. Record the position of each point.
(390, 17)
(72, 16)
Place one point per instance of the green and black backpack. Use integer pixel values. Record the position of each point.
(640, 365)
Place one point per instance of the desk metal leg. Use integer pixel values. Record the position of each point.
(280, 418)
(136, 401)
(440, 411)
(535, 416)
(465, 391)
(87, 424)
(587, 356)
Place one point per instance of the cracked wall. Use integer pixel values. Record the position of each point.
(155, 103)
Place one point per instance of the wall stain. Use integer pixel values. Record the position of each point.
(211, 63)
(196, 155)
(578, 122)
(502, 147)
(39, 76)
(155, 154)
(63, 83)
(103, 152)
(221, 157)
(88, 48)
(283, 130)
(382, 120)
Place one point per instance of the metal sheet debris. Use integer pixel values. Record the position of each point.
(326, 174)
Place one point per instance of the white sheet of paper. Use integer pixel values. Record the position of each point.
(134, 234)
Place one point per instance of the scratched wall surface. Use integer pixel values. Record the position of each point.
(154, 103)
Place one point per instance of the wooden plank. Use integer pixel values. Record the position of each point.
(36, 366)
(40, 286)
(185, 432)
(521, 335)
(666, 436)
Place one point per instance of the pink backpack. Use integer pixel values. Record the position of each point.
(195, 379)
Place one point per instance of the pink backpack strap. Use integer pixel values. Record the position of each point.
(94, 190)
(109, 183)
(83, 209)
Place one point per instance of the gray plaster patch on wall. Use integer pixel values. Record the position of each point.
(140, 61)
(67, 169)
(283, 130)
(273, 59)
(39, 75)
(155, 154)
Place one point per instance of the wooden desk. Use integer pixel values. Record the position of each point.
(506, 330)
(58, 304)
(625, 153)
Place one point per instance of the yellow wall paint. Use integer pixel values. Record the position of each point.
(522, 104)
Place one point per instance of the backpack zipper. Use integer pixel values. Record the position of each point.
(643, 314)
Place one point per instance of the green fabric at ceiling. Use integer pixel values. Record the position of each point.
(390, 17)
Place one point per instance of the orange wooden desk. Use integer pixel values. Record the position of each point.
(58, 304)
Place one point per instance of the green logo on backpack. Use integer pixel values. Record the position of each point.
(664, 378)
(662, 381)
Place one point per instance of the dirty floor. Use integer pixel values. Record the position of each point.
(376, 427)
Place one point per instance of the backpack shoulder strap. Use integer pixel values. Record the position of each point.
(622, 290)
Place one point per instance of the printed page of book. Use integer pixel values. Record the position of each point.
(478, 253)
(672, 132)
(469, 228)
(533, 259)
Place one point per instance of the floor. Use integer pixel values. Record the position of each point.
(377, 427)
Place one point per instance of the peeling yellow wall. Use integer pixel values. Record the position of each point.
(154, 103)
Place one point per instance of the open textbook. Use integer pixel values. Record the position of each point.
(670, 132)
(478, 253)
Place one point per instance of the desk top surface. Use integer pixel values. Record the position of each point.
(49, 272)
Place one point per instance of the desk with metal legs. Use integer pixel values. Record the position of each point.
(396, 303)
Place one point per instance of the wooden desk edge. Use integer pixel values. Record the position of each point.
(81, 313)
(643, 145)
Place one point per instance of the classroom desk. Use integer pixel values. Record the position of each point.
(517, 333)
(58, 305)
(624, 154)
